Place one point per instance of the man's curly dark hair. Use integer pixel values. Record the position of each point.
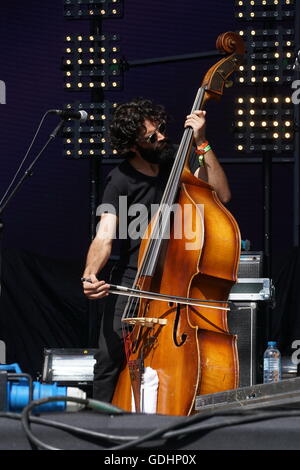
(128, 123)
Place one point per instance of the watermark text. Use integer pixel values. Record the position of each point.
(180, 222)
(2, 92)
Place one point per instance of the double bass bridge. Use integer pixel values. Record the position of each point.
(148, 322)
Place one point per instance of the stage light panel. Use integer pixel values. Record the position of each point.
(92, 62)
(264, 123)
(252, 10)
(91, 138)
(67, 366)
(269, 58)
(89, 9)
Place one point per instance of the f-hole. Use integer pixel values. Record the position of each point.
(184, 336)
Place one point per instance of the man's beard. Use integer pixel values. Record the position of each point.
(161, 153)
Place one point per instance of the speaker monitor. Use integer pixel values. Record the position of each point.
(251, 264)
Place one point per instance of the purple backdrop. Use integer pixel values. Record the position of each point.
(50, 215)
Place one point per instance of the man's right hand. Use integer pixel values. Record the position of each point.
(95, 289)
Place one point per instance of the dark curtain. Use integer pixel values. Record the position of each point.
(42, 306)
(285, 318)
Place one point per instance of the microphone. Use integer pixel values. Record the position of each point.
(69, 114)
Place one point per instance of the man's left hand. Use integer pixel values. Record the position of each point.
(197, 122)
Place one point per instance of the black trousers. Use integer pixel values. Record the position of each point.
(111, 354)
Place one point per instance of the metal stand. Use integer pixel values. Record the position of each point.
(297, 138)
(95, 172)
(267, 184)
(173, 58)
(27, 174)
(29, 171)
(267, 267)
(95, 163)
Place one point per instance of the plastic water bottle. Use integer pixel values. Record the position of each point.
(272, 363)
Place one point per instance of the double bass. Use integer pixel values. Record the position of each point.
(176, 335)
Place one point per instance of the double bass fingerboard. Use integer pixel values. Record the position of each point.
(162, 218)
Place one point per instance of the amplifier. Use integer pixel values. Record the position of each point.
(251, 264)
(248, 321)
(242, 322)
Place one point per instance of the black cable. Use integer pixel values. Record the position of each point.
(232, 417)
(25, 421)
(69, 428)
(88, 403)
(168, 431)
(181, 424)
(99, 406)
(81, 431)
(93, 404)
(10, 415)
(205, 428)
(151, 435)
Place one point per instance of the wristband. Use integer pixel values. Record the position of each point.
(202, 149)
(203, 145)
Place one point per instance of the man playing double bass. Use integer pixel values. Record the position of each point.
(138, 133)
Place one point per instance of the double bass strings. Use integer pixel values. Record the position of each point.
(168, 199)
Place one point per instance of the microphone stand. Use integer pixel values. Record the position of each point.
(26, 175)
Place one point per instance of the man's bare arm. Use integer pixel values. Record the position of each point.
(213, 173)
(97, 257)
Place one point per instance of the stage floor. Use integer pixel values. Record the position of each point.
(275, 428)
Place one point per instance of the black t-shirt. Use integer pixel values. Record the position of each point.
(134, 198)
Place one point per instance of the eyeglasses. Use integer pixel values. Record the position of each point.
(152, 138)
